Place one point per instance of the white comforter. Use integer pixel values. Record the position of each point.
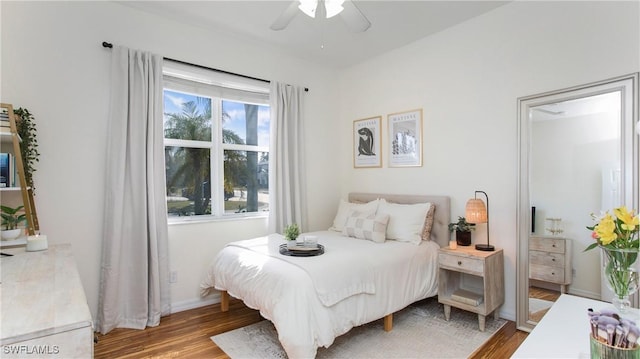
(312, 300)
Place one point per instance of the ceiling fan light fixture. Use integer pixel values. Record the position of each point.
(308, 7)
(334, 7)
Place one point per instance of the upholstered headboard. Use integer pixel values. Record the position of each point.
(441, 217)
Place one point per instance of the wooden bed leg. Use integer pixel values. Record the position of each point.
(224, 301)
(388, 322)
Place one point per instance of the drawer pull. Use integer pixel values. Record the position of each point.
(553, 245)
(553, 259)
(459, 263)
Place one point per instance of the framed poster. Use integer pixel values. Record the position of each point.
(367, 142)
(405, 139)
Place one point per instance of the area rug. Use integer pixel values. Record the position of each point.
(538, 308)
(419, 331)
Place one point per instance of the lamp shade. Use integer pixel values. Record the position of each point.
(476, 211)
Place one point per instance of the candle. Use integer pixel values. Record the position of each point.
(453, 244)
(37, 243)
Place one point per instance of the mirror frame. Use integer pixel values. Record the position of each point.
(628, 87)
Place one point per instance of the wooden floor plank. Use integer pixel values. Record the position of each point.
(187, 335)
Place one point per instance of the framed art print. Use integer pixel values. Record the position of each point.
(405, 139)
(367, 142)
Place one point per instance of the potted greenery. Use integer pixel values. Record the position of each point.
(291, 233)
(463, 231)
(11, 218)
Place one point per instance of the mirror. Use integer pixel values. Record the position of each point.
(578, 154)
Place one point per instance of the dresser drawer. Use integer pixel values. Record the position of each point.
(547, 244)
(549, 259)
(462, 264)
(546, 273)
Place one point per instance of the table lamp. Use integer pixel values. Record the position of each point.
(476, 212)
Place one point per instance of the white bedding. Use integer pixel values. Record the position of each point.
(312, 300)
(326, 271)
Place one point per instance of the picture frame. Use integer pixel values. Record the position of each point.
(405, 138)
(367, 142)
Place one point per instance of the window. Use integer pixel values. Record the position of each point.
(217, 132)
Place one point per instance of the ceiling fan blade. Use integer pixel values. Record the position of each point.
(354, 18)
(285, 18)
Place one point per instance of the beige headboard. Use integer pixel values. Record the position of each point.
(441, 217)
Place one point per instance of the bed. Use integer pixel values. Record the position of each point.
(313, 300)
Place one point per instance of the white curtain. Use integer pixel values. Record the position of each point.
(134, 287)
(286, 158)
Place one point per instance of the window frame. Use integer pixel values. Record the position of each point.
(205, 87)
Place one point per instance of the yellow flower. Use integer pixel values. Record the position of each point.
(606, 230)
(629, 222)
(617, 230)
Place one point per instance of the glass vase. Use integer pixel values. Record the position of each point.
(620, 274)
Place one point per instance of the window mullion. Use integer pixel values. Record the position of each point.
(187, 143)
(236, 147)
(217, 159)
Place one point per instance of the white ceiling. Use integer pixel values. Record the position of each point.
(394, 24)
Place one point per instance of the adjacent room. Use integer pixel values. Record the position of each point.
(316, 178)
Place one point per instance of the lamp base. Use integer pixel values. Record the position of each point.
(485, 247)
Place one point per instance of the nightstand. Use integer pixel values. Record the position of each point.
(471, 280)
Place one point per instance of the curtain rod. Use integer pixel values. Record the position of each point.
(109, 45)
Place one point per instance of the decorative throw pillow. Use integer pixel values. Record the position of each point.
(366, 226)
(345, 208)
(406, 221)
(428, 223)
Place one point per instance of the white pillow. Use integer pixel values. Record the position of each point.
(372, 227)
(406, 221)
(345, 208)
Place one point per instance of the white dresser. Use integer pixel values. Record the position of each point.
(550, 260)
(43, 307)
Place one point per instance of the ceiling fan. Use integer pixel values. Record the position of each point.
(354, 18)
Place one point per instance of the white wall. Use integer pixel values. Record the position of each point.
(54, 65)
(467, 80)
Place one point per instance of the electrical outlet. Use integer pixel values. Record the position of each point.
(174, 277)
(573, 272)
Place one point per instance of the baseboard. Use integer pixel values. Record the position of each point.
(195, 303)
(508, 315)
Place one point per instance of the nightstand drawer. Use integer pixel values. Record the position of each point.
(546, 259)
(546, 274)
(547, 244)
(466, 264)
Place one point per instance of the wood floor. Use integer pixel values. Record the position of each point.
(187, 335)
(541, 293)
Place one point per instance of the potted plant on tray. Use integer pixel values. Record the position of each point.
(291, 233)
(11, 218)
(463, 231)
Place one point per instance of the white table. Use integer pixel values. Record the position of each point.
(564, 330)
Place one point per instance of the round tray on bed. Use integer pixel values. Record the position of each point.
(301, 251)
